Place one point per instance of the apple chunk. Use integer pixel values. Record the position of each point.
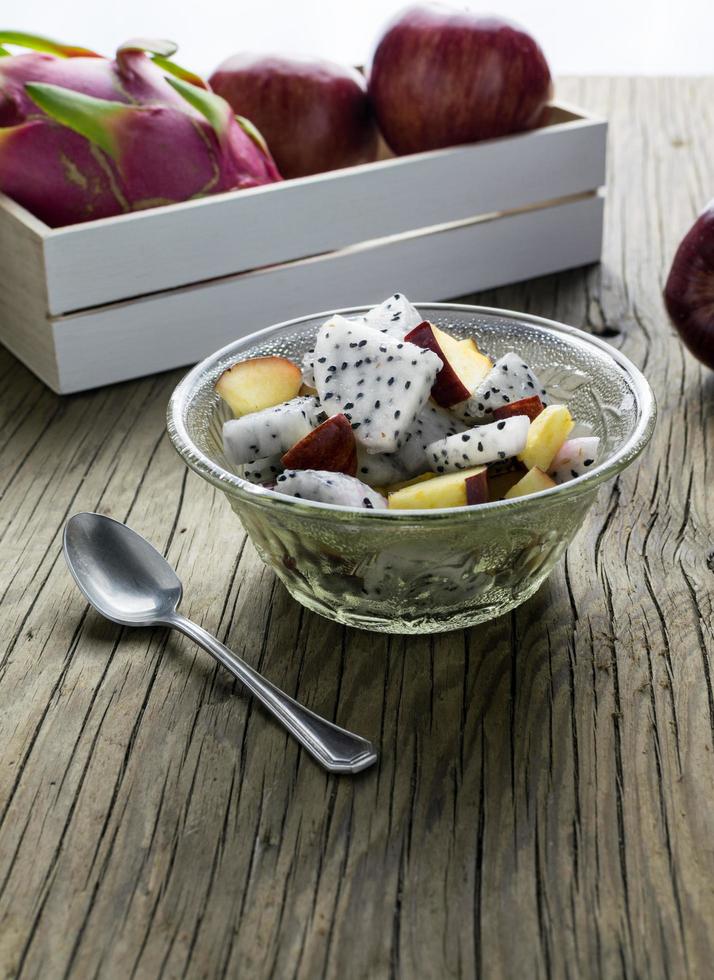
(464, 368)
(450, 490)
(546, 435)
(477, 487)
(534, 481)
(331, 446)
(261, 382)
(393, 487)
(531, 406)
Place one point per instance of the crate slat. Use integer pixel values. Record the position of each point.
(179, 327)
(134, 255)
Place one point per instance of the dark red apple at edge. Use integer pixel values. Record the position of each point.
(442, 76)
(689, 292)
(315, 115)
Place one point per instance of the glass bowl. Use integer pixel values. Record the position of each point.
(425, 571)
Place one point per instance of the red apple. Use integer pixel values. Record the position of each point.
(464, 368)
(531, 406)
(477, 488)
(315, 115)
(331, 446)
(441, 76)
(689, 293)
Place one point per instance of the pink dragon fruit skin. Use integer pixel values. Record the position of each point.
(56, 174)
(131, 77)
(96, 158)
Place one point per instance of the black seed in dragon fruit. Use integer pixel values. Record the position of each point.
(479, 445)
(378, 382)
(269, 432)
(395, 316)
(509, 380)
(575, 457)
(329, 488)
(431, 424)
(261, 470)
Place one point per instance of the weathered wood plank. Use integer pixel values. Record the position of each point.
(543, 803)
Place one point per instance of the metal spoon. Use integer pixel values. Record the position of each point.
(129, 582)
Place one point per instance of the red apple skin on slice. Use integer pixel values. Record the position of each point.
(531, 406)
(449, 388)
(331, 446)
(477, 488)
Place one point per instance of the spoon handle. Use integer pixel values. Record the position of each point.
(334, 748)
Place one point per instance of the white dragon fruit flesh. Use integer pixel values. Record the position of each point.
(380, 469)
(261, 470)
(431, 424)
(379, 383)
(482, 444)
(395, 316)
(270, 432)
(574, 458)
(509, 380)
(308, 374)
(329, 488)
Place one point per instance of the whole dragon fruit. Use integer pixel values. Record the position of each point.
(79, 156)
(136, 76)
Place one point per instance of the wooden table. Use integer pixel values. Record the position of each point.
(544, 803)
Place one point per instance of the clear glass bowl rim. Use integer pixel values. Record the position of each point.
(250, 493)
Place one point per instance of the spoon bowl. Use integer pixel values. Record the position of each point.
(119, 572)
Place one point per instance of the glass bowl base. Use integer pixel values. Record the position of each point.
(417, 624)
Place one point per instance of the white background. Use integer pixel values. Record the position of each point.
(598, 37)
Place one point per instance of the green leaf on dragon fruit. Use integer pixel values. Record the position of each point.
(150, 46)
(4, 53)
(95, 119)
(215, 109)
(251, 130)
(178, 71)
(36, 42)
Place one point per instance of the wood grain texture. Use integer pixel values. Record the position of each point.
(544, 801)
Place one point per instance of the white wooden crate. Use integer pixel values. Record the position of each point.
(108, 300)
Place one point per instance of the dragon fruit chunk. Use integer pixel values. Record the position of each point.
(261, 470)
(509, 380)
(482, 444)
(380, 469)
(574, 458)
(378, 382)
(308, 369)
(270, 432)
(329, 488)
(395, 316)
(432, 424)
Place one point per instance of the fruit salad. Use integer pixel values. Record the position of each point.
(389, 412)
